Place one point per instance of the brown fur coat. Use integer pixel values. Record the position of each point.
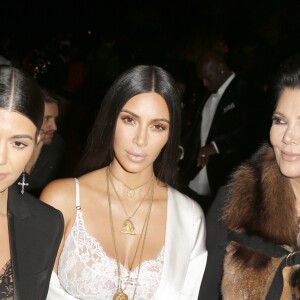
(261, 202)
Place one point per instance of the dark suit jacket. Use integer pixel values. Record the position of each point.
(35, 231)
(216, 241)
(229, 132)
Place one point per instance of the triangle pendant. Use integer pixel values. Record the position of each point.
(128, 227)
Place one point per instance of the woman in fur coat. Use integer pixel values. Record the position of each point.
(254, 224)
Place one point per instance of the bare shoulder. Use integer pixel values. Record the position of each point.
(60, 193)
(95, 180)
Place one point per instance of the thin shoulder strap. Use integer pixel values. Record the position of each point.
(78, 207)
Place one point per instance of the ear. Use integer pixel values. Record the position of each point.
(39, 136)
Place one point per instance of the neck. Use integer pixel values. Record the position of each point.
(131, 179)
(296, 188)
(3, 203)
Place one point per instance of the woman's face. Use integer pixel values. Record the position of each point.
(17, 140)
(285, 133)
(142, 130)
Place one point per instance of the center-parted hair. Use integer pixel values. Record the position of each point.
(20, 93)
(135, 81)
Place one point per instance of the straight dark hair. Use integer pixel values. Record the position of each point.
(20, 93)
(137, 80)
(287, 76)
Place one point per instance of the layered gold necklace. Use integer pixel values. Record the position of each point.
(128, 226)
(120, 294)
(130, 190)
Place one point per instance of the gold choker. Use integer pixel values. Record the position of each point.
(130, 191)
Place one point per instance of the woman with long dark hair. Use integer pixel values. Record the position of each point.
(30, 230)
(129, 233)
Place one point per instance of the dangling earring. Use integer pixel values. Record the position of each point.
(23, 183)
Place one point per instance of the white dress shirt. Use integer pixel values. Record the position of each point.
(200, 183)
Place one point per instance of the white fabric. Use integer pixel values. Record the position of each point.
(184, 253)
(200, 183)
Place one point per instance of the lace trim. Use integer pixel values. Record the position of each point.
(86, 271)
(6, 282)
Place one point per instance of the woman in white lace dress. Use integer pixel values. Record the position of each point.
(129, 234)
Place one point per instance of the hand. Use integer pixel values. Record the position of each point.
(204, 153)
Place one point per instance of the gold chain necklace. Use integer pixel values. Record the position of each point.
(128, 226)
(120, 294)
(131, 191)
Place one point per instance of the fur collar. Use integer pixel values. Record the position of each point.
(261, 200)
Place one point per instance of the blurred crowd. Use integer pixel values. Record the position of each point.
(79, 68)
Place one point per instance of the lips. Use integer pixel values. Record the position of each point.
(289, 156)
(3, 176)
(136, 157)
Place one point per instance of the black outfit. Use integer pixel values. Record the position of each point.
(6, 282)
(216, 240)
(35, 232)
(228, 130)
(49, 166)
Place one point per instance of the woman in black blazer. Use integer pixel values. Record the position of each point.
(30, 230)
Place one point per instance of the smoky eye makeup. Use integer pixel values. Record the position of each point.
(277, 119)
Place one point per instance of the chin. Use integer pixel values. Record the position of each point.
(292, 173)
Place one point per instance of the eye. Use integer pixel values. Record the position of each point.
(19, 145)
(128, 119)
(277, 120)
(159, 127)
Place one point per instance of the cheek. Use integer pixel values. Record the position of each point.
(160, 143)
(276, 135)
(22, 157)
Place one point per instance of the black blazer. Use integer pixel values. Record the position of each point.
(35, 231)
(216, 241)
(228, 130)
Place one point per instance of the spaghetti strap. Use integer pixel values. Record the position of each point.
(78, 207)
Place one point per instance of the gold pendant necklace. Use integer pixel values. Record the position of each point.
(130, 191)
(120, 294)
(128, 226)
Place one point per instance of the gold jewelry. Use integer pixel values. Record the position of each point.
(128, 226)
(120, 294)
(131, 191)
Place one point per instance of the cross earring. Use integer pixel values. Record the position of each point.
(23, 183)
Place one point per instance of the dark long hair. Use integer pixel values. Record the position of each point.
(137, 80)
(287, 76)
(20, 93)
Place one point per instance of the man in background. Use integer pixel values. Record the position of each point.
(217, 141)
(46, 162)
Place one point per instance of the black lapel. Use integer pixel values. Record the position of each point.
(16, 208)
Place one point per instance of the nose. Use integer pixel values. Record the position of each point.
(291, 136)
(140, 138)
(53, 125)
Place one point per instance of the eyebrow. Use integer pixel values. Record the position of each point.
(281, 114)
(137, 116)
(22, 136)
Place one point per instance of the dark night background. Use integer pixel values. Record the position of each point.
(254, 35)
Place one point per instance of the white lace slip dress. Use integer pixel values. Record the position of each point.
(86, 272)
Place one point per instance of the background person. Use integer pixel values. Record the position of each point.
(30, 230)
(128, 230)
(215, 143)
(47, 161)
(254, 221)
